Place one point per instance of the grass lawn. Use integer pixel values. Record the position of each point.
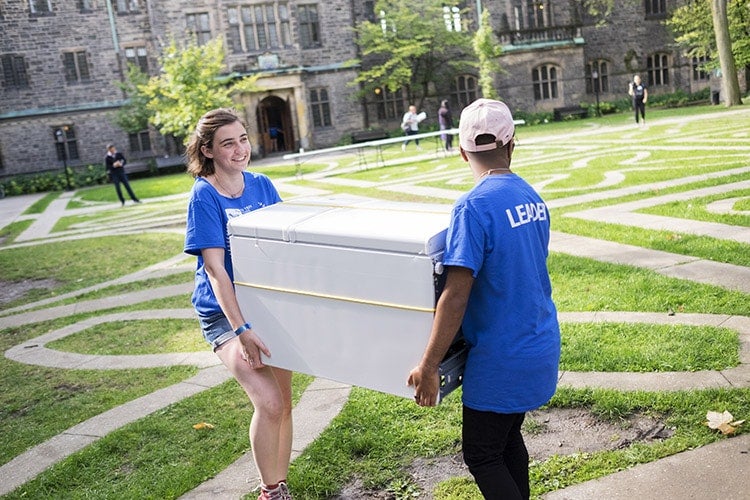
(376, 436)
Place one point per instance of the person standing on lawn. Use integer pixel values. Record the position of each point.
(639, 93)
(217, 155)
(115, 162)
(498, 291)
(410, 126)
(445, 121)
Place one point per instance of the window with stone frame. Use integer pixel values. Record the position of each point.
(86, 5)
(127, 6)
(139, 142)
(657, 67)
(531, 14)
(258, 26)
(369, 11)
(655, 8)
(240, 30)
(138, 57)
(199, 24)
(700, 74)
(452, 18)
(40, 6)
(76, 66)
(545, 81)
(390, 105)
(66, 144)
(465, 91)
(14, 73)
(320, 108)
(309, 26)
(597, 77)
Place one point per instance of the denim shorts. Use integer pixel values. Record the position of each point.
(216, 329)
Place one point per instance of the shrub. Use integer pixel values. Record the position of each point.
(40, 182)
(533, 118)
(679, 98)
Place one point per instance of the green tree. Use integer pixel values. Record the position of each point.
(487, 51)
(133, 116)
(189, 84)
(730, 82)
(702, 30)
(412, 45)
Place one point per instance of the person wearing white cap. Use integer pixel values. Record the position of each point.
(498, 293)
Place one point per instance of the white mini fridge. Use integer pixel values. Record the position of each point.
(345, 287)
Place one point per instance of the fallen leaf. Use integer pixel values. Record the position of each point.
(715, 419)
(726, 429)
(724, 422)
(203, 425)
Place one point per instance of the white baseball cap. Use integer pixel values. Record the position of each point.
(485, 116)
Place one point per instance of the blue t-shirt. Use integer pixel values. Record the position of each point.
(500, 230)
(207, 217)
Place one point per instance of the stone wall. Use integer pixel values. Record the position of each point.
(346, 111)
(30, 142)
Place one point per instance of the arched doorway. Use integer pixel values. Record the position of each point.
(275, 125)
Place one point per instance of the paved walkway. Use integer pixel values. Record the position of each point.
(714, 471)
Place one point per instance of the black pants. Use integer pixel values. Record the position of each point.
(120, 177)
(495, 453)
(412, 132)
(447, 141)
(639, 106)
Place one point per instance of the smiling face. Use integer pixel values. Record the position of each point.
(230, 149)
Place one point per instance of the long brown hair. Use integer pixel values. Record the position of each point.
(198, 164)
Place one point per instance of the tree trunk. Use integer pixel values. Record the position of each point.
(730, 83)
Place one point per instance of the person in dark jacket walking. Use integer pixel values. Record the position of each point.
(115, 163)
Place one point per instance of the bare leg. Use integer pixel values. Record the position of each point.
(269, 389)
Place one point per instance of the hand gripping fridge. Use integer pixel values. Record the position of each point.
(345, 287)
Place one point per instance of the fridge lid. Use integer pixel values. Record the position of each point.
(349, 221)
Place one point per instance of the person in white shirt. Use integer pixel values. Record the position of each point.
(410, 126)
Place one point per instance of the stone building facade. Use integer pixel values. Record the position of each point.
(60, 62)
(567, 57)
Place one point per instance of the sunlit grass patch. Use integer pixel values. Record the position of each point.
(638, 347)
(580, 284)
(100, 259)
(697, 209)
(150, 336)
(160, 455)
(284, 170)
(37, 402)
